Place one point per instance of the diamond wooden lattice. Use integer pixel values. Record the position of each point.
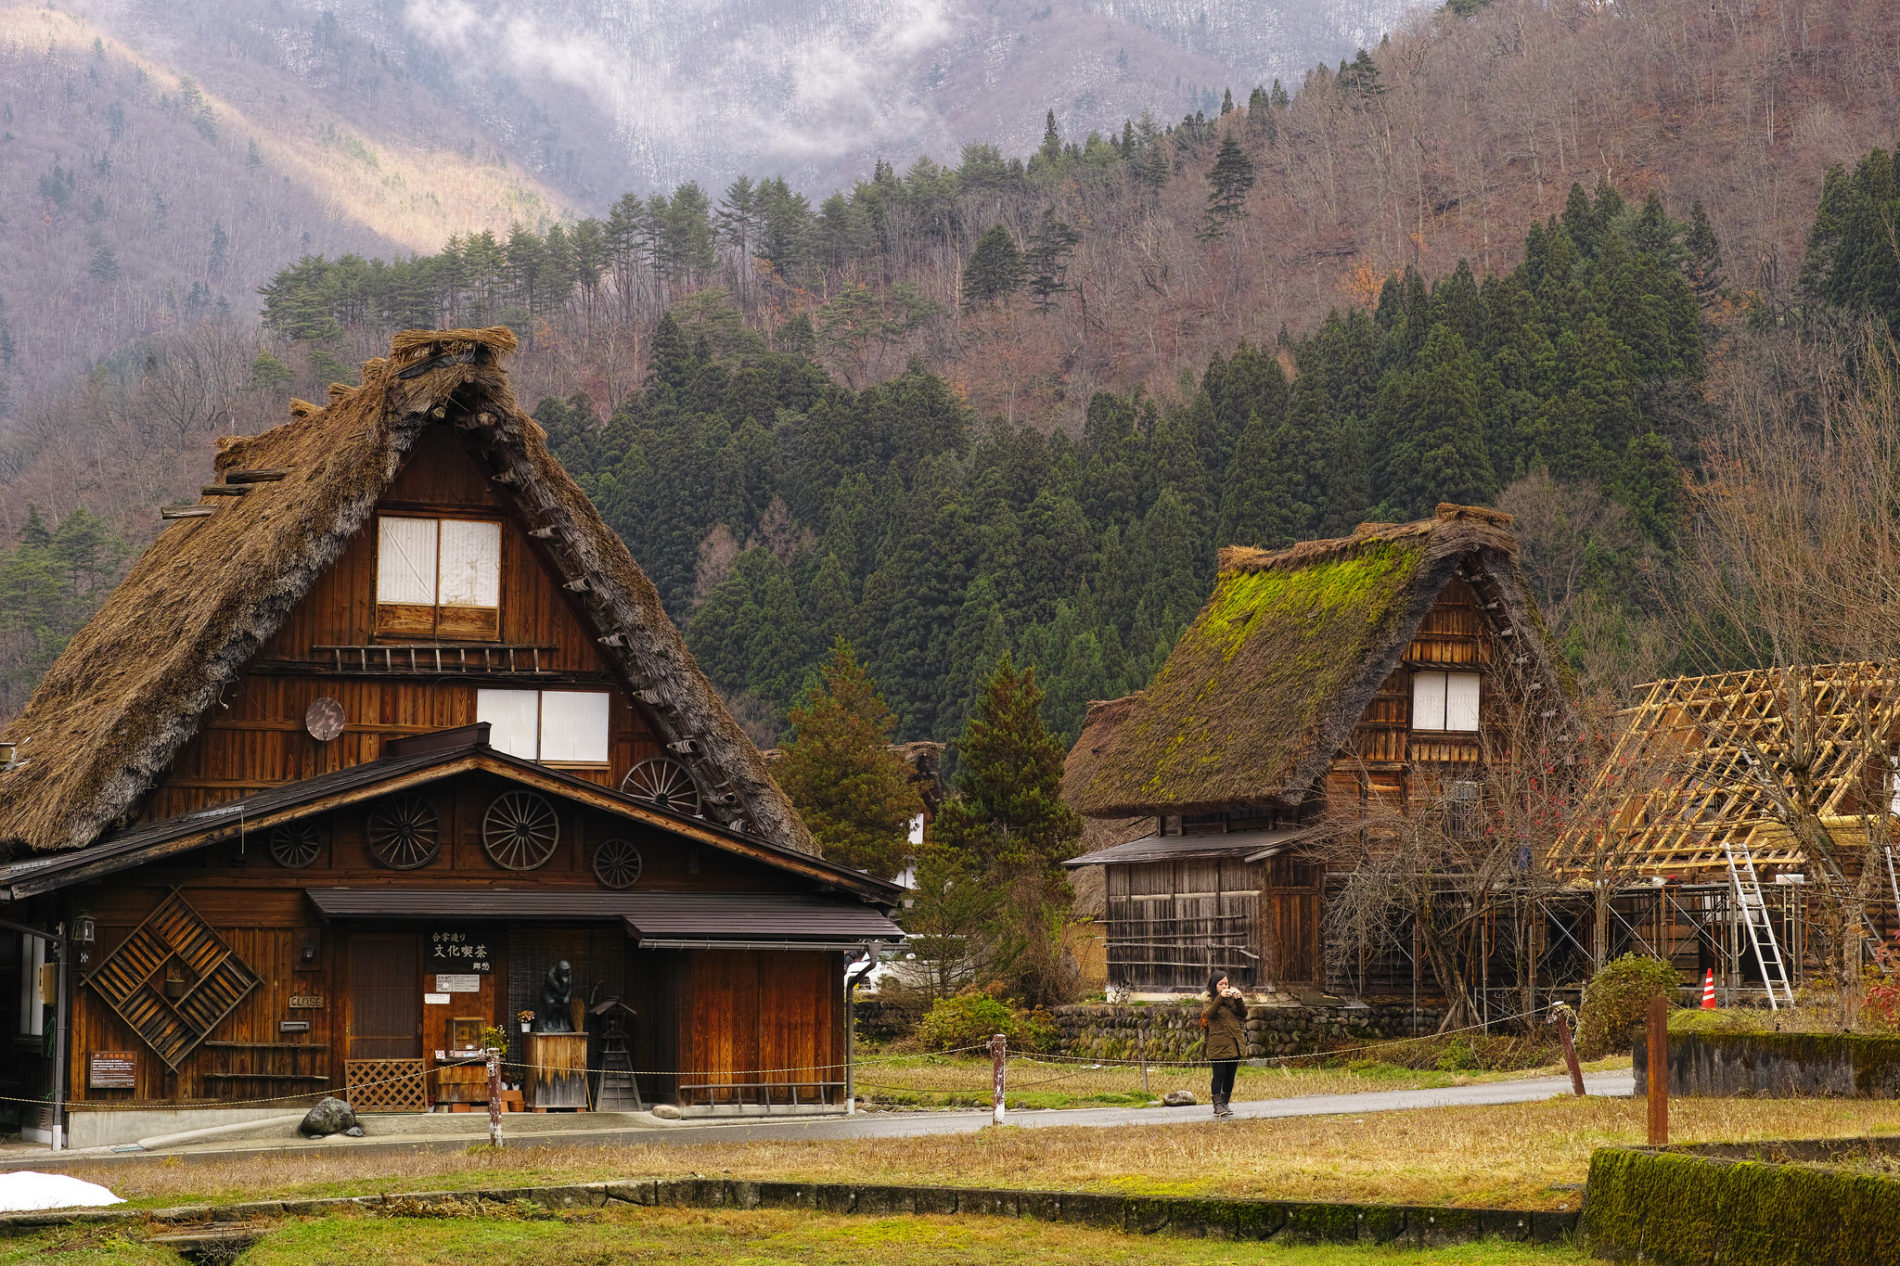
(173, 952)
(386, 1085)
(1710, 764)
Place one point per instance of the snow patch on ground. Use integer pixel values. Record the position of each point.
(24, 1190)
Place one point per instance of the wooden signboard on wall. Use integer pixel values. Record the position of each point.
(112, 1070)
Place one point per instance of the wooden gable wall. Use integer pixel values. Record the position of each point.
(255, 737)
(1385, 755)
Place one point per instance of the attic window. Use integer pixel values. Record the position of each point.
(1445, 701)
(555, 727)
(438, 578)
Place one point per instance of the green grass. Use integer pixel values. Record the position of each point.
(751, 1238)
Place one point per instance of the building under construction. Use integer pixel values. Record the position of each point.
(1732, 812)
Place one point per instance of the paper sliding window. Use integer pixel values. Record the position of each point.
(438, 578)
(556, 727)
(1445, 701)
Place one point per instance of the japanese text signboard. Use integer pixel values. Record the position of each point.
(458, 951)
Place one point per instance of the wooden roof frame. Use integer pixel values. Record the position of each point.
(1693, 774)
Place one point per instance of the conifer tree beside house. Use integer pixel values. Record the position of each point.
(1007, 820)
(855, 794)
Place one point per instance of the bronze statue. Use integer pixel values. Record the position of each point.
(557, 989)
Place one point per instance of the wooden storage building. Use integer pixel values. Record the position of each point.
(371, 739)
(1317, 682)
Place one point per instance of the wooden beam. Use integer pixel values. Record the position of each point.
(224, 490)
(186, 512)
(262, 476)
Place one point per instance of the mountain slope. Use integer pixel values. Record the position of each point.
(139, 196)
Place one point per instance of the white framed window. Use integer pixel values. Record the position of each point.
(557, 727)
(438, 577)
(1445, 701)
(32, 1011)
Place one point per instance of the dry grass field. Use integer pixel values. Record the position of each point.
(1530, 1155)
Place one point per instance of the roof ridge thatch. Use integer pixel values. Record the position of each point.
(1267, 683)
(1475, 523)
(133, 686)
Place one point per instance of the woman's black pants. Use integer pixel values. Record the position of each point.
(1224, 1079)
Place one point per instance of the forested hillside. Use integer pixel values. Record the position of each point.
(1526, 254)
(778, 510)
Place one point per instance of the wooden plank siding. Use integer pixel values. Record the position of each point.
(260, 910)
(256, 738)
(749, 1016)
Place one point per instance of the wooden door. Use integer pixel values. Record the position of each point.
(386, 996)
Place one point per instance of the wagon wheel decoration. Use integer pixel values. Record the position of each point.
(520, 830)
(295, 845)
(617, 864)
(663, 783)
(404, 832)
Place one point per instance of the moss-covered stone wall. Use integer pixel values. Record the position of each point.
(1681, 1210)
(1778, 1065)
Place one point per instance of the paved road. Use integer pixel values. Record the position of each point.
(526, 1130)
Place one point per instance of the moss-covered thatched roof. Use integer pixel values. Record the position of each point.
(134, 685)
(1266, 685)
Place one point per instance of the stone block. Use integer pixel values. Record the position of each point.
(642, 1192)
(787, 1195)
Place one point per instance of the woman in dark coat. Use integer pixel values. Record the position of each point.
(1224, 1017)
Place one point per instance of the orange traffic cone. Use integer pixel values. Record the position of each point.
(1708, 991)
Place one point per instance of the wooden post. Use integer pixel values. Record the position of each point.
(998, 1050)
(1658, 1043)
(1141, 1050)
(1562, 1020)
(494, 1096)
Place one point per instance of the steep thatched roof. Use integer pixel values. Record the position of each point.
(134, 685)
(1267, 683)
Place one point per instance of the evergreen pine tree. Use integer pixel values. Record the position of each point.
(1008, 816)
(1229, 181)
(995, 269)
(1434, 441)
(1705, 254)
(1047, 259)
(851, 789)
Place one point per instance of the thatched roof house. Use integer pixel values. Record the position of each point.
(383, 745)
(135, 685)
(1315, 679)
(1265, 688)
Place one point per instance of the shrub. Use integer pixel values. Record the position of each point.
(1458, 1057)
(971, 1019)
(1617, 997)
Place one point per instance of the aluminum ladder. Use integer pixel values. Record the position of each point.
(1753, 908)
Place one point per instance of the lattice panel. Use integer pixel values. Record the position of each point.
(174, 952)
(386, 1085)
(1709, 764)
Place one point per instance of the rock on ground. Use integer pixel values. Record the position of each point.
(331, 1116)
(1179, 1099)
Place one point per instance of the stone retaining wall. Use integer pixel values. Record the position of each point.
(1169, 1031)
(1777, 1065)
(1283, 1221)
